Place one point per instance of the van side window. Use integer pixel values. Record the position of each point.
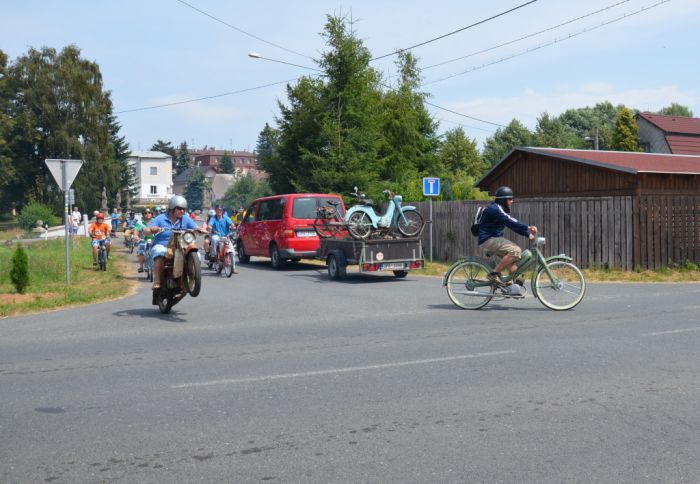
(271, 209)
(249, 214)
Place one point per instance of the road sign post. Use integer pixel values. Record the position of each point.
(64, 172)
(431, 188)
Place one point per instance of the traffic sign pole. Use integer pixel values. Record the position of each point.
(431, 188)
(64, 172)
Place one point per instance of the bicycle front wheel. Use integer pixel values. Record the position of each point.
(564, 291)
(468, 285)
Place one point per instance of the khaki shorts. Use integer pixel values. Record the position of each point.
(501, 246)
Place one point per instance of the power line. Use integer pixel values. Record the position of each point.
(555, 41)
(242, 31)
(524, 37)
(454, 32)
(206, 97)
(465, 115)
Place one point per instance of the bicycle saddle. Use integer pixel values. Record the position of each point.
(335, 203)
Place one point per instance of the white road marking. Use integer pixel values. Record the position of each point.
(254, 379)
(659, 333)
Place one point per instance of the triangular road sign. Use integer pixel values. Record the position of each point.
(56, 167)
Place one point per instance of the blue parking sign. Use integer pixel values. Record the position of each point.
(431, 187)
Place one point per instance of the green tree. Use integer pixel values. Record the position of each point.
(59, 109)
(19, 274)
(181, 162)
(34, 211)
(553, 133)
(244, 191)
(592, 122)
(626, 135)
(120, 153)
(504, 140)
(195, 189)
(226, 163)
(7, 169)
(164, 147)
(676, 109)
(458, 153)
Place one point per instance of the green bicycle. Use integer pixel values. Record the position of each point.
(556, 282)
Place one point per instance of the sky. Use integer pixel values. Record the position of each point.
(641, 53)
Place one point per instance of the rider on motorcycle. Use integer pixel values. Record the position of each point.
(138, 228)
(129, 226)
(494, 220)
(99, 231)
(220, 226)
(161, 228)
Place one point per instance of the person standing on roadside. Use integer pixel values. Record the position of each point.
(76, 217)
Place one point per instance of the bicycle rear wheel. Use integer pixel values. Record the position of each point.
(468, 286)
(565, 291)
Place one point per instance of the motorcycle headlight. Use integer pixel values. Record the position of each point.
(189, 238)
(398, 198)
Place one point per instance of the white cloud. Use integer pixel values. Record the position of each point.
(531, 103)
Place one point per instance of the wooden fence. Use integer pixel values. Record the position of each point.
(616, 232)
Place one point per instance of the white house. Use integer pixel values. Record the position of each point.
(154, 176)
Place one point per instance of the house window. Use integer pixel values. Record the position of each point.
(154, 190)
(154, 170)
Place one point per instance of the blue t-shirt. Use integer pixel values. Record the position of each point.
(164, 222)
(493, 222)
(220, 227)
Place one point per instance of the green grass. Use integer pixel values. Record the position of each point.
(47, 279)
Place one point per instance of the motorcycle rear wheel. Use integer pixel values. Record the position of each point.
(192, 274)
(165, 303)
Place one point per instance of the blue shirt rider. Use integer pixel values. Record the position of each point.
(161, 227)
(494, 220)
(220, 225)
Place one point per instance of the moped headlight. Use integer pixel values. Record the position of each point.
(399, 198)
(540, 241)
(189, 238)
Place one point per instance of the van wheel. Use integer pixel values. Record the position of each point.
(243, 258)
(276, 260)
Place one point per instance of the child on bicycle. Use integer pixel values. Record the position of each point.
(495, 219)
(99, 232)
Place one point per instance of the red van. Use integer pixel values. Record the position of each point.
(281, 227)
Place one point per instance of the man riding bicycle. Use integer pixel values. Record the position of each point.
(138, 229)
(99, 232)
(220, 225)
(128, 226)
(494, 220)
(161, 227)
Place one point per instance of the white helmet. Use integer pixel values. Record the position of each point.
(212, 212)
(177, 201)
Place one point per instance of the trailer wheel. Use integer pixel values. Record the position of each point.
(337, 269)
(400, 274)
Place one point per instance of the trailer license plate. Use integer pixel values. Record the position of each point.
(306, 233)
(391, 266)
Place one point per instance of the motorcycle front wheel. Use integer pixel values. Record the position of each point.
(564, 291)
(412, 225)
(192, 274)
(360, 225)
(228, 264)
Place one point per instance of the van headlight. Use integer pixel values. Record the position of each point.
(189, 238)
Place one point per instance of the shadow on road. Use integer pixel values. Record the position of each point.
(151, 313)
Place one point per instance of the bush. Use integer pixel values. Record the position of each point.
(19, 274)
(36, 211)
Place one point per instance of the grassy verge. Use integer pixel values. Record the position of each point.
(687, 273)
(47, 280)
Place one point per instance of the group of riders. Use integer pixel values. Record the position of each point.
(154, 229)
(495, 218)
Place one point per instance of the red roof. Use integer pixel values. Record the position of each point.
(629, 162)
(673, 124)
(684, 145)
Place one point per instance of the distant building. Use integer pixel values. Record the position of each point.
(154, 176)
(678, 135)
(243, 161)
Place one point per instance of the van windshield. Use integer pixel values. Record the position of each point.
(306, 207)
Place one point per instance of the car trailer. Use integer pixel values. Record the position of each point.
(398, 255)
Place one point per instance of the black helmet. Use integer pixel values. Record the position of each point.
(219, 207)
(504, 193)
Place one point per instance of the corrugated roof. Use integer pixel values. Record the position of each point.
(673, 124)
(628, 162)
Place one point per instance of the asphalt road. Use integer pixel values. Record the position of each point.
(289, 377)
